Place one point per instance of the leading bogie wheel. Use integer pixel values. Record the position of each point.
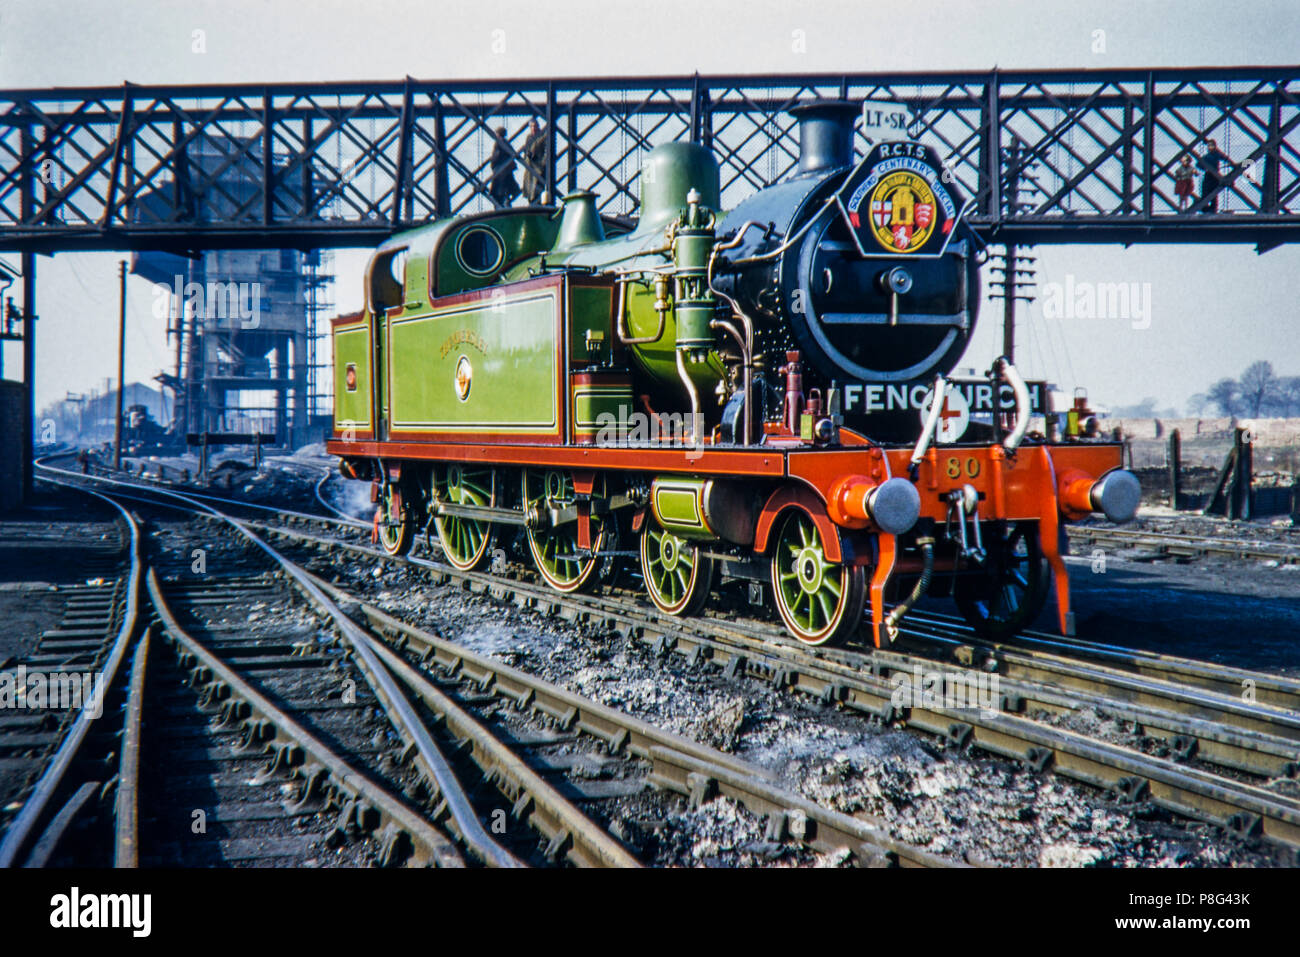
(677, 573)
(466, 542)
(820, 601)
(1007, 595)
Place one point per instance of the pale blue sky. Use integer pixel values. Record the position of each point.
(1214, 308)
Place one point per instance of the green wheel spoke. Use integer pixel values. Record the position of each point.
(827, 608)
(676, 575)
(806, 609)
(553, 549)
(464, 540)
(818, 599)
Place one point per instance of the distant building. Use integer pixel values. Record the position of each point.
(90, 418)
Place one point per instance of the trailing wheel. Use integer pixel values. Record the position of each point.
(677, 573)
(394, 520)
(1007, 595)
(554, 548)
(466, 542)
(819, 601)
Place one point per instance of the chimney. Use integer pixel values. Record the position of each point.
(579, 222)
(825, 134)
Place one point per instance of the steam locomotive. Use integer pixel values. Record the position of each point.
(757, 398)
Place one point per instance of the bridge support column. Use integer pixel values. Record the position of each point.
(29, 371)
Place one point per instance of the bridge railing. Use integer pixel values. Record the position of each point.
(1048, 156)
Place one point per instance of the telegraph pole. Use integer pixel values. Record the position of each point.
(1009, 306)
(121, 362)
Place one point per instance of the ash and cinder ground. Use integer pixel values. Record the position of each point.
(925, 793)
(948, 802)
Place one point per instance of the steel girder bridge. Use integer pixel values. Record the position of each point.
(1049, 157)
(1082, 157)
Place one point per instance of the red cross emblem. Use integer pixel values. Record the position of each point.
(946, 413)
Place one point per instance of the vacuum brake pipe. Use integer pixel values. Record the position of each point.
(922, 586)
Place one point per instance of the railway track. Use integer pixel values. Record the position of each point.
(1216, 750)
(93, 799)
(1213, 749)
(270, 737)
(1279, 691)
(231, 703)
(1173, 545)
(621, 754)
(91, 615)
(42, 747)
(1269, 689)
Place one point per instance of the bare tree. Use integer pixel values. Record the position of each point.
(1284, 397)
(1226, 394)
(1256, 384)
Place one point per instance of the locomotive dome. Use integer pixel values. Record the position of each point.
(671, 171)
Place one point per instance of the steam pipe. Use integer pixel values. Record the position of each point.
(772, 253)
(746, 364)
(730, 330)
(747, 369)
(747, 373)
(692, 392)
(628, 340)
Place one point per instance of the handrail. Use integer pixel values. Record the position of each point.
(1023, 408)
(940, 390)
